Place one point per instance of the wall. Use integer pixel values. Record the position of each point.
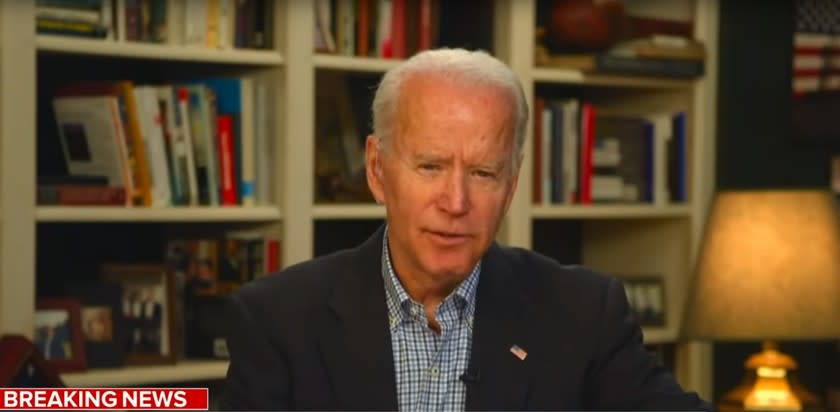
(757, 148)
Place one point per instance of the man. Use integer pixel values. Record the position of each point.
(430, 313)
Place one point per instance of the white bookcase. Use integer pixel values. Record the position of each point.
(615, 237)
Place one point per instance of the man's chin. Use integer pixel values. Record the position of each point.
(448, 270)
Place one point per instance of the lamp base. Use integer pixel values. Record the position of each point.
(770, 385)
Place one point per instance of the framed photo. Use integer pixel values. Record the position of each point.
(646, 296)
(58, 334)
(147, 311)
(101, 318)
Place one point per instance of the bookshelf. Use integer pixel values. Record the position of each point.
(152, 51)
(162, 214)
(356, 211)
(355, 64)
(610, 212)
(148, 375)
(643, 238)
(569, 76)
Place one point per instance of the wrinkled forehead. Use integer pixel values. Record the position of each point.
(429, 98)
(417, 85)
(474, 122)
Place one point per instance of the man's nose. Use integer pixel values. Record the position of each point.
(455, 197)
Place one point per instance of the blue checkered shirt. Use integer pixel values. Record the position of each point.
(429, 366)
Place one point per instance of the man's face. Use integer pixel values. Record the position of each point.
(445, 176)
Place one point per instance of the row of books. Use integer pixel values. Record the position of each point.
(85, 18)
(204, 142)
(204, 23)
(376, 28)
(656, 55)
(587, 154)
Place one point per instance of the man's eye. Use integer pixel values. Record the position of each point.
(484, 174)
(429, 167)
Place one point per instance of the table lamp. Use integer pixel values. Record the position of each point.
(768, 270)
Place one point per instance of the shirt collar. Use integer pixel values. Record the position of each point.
(398, 300)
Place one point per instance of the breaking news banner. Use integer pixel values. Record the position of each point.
(104, 399)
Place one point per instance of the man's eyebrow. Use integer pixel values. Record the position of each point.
(428, 157)
(495, 164)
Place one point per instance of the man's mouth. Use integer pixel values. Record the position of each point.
(447, 237)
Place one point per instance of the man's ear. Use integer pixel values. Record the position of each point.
(373, 169)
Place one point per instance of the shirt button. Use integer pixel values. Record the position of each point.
(435, 372)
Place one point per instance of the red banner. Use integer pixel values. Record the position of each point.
(74, 399)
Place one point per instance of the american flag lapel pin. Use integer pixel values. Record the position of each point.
(518, 352)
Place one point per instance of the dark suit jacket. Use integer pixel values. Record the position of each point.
(316, 336)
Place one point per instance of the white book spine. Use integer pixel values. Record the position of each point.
(571, 137)
(175, 19)
(226, 24)
(263, 144)
(106, 18)
(195, 23)
(121, 20)
(173, 139)
(184, 116)
(155, 146)
(662, 133)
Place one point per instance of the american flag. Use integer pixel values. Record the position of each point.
(816, 40)
(518, 352)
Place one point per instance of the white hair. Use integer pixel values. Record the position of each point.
(465, 67)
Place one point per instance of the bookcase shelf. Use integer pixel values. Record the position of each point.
(349, 211)
(356, 64)
(185, 371)
(151, 214)
(610, 211)
(612, 238)
(151, 51)
(572, 76)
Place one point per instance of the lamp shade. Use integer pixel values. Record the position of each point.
(769, 268)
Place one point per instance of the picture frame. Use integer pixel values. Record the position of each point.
(102, 326)
(147, 311)
(646, 296)
(58, 335)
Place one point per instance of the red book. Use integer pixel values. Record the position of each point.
(363, 14)
(587, 141)
(272, 255)
(398, 29)
(81, 195)
(425, 35)
(228, 184)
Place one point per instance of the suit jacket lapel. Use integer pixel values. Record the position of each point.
(356, 340)
(501, 321)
